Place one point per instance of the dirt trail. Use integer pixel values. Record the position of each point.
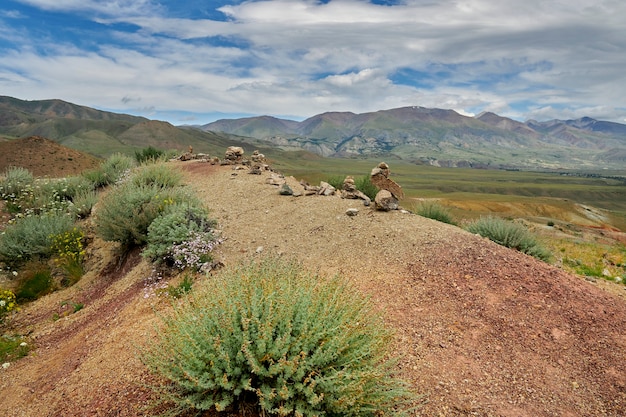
(481, 330)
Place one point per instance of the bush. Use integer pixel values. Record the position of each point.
(509, 234)
(434, 211)
(364, 184)
(149, 154)
(111, 171)
(182, 236)
(35, 285)
(83, 203)
(336, 181)
(157, 174)
(8, 304)
(69, 251)
(273, 335)
(125, 214)
(15, 180)
(31, 236)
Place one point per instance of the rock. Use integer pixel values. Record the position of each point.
(385, 201)
(234, 155)
(326, 189)
(257, 157)
(350, 191)
(352, 212)
(186, 157)
(285, 190)
(380, 178)
(275, 179)
(255, 170)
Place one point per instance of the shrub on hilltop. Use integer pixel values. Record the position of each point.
(125, 213)
(510, 234)
(183, 237)
(111, 171)
(31, 236)
(280, 338)
(435, 211)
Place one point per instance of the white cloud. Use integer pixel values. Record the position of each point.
(304, 57)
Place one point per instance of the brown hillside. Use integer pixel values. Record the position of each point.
(44, 157)
(481, 330)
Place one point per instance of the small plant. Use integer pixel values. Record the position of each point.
(111, 171)
(183, 288)
(15, 180)
(281, 339)
(12, 348)
(83, 203)
(149, 154)
(435, 211)
(510, 234)
(8, 303)
(158, 174)
(69, 252)
(35, 285)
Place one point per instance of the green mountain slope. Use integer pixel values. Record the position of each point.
(102, 133)
(443, 138)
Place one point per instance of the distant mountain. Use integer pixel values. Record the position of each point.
(443, 137)
(99, 132)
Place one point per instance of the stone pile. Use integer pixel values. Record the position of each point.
(350, 191)
(390, 192)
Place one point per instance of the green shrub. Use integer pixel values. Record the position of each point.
(149, 154)
(286, 340)
(30, 236)
(336, 181)
(510, 234)
(364, 184)
(158, 174)
(178, 224)
(125, 213)
(35, 285)
(15, 180)
(83, 203)
(111, 171)
(435, 211)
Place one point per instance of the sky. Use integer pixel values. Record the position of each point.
(194, 61)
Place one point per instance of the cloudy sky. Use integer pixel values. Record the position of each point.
(195, 61)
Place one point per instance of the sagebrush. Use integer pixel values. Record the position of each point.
(435, 211)
(510, 234)
(278, 337)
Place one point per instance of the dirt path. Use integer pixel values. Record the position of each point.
(481, 330)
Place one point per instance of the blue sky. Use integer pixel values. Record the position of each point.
(192, 62)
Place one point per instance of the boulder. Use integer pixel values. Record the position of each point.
(385, 201)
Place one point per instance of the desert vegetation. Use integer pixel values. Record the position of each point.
(274, 336)
(510, 234)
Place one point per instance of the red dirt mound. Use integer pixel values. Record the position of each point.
(44, 157)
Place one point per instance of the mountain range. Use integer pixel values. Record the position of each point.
(444, 138)
(101, 133)
(414, 134)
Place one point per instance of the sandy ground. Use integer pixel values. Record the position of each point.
(481, 330)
